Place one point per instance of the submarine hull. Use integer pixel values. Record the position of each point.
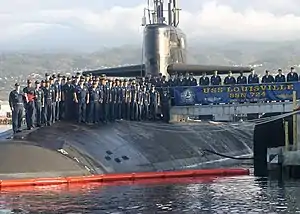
(66, 149)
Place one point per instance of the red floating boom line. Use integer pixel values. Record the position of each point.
(105, 178)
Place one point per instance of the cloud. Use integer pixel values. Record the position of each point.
(97, 24)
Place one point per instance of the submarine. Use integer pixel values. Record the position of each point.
(69, 149)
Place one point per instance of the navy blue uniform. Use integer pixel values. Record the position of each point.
(292, 77)
(165, 106)
(113, 103)
(106, 91)
(82, 96)
(229, 80)
(119, 102)
(215, 80)
(16, 103)
(29, 106)
(140, 103)
(180, 82)
(49, 97)
(154, 101)
(57, 104)
(133, 103)
(253, 78)
(101, 103)
(94, 105)
(203, 81)
(68, 91)
(39, 102)
(280, 78)
(146, 105)
(241, 80)
(267, 79)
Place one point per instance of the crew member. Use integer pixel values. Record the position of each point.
(29, 105)
(253, 78)
(94, 104)
(267, 78)
(49, 96)
(154, 102)
(165, 106)
(140, 102)
(146, 104)
(39, 103)
(280, 77)
(133, 102)
(292, 76)
(81, 97)
(215, 79)
(180, 81)
(192, 80)
(67, 98)
(203, 80)
(241, 78)
(124, 100)
(16, 103)
(229, 80)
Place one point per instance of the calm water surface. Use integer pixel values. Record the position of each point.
(227, 195)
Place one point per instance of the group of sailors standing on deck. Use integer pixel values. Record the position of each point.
(87, 99)
(215, 79)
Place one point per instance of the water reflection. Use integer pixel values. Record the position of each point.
(228, 195)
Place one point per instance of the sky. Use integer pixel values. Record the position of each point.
(94, 24)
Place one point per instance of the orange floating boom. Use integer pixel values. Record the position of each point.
(105, 178)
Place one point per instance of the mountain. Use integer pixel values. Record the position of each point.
(16, 66)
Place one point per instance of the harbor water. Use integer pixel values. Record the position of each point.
(244, 194)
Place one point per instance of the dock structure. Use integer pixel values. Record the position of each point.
(277, 145)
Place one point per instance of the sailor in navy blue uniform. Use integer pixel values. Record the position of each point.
(113, 101)
(119, 99)
(52, 86)
(124, 102)
(94, 104)
(29, 105)
(241, 79)
(154, 102)
(140, 103)
(165, 106)
(229, 80)
(292, 76)
(203, 80)
(180, 81)
(280, 77)
(47, 77)
(49, 96)
(172, 81)
(106, 103)
(253, 78)
(58, 92)
(81, 97)
(39, 103)
(43, 86)
(16, 103)
(146, 104)
(101, 100)
(215, 79)
(267, 78)
(67, 97)
(133, 102)
(192, 81)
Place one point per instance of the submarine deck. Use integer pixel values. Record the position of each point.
(67, 149)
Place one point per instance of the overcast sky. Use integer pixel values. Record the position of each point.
(95, 23)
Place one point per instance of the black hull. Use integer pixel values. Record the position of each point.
(66, 149)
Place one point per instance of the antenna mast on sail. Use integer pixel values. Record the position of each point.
(155, 13)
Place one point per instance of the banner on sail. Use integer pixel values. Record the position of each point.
(235, 93)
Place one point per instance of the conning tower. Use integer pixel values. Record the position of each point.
(164, 42)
